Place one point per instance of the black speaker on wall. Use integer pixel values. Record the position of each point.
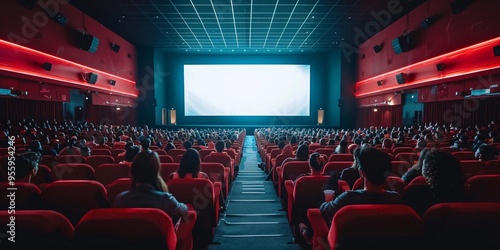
(89, 43)
(440, 66)
(401, 44)
(377, 48)
(91, 78)
(47, 66)
(496, 50)
(29, 4)
(115, 47)
(401, 78)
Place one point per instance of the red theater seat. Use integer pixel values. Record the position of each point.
(74, 198)
(26, 196)
(166, 159)
(217, 173)
(132, 228)
(107, 173)
(463, 225)
(483, 188)
(290, 171)
(376, 227)
(116, 187)
(96, 160)
(73, 171)
(38, 229)
(341, 157)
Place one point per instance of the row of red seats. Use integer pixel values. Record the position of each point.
(105, 228)
(443, 226)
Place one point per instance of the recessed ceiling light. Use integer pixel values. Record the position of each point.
(186, 50)
(244, 50)
(312, 16)
(198, 50)
(123, 16)
(267, 50)
(307, 32)
(305, 43)
(279, 50)
(256, 50)
(302, 51)
(166, 32)
(220, 50)
(232, 50)
(349, 18)
(156, 17)
(290, 50)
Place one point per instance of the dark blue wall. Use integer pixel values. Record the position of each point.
(325, 86)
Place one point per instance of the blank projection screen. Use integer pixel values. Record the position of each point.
(246, 90)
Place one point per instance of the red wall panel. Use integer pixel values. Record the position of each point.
(478, 23)
(29, 37)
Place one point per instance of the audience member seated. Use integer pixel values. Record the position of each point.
(130, 155)
(26, 166)
(169, 146)
(187, 145)
(145, 143)
(461, 143)
(416, 169)
(486, 152)
(351, 174)
(301, 155)
(86, 151)
(148, 190)
(36, 146)
(71, 148)
(102, 143)
(342, 148)
(374, 167)
(446, 182)
(190, 166)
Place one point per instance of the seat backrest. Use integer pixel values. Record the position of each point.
(397, 150)
(205, 152)
(280, 158)
(26, 195)
(214, 170)
(341, 157)
(160, 151)
(65, 159)
(38, 229)
(166, 159)
(101, 151)
(336, 166)
(399, 168)
(74, 198)
(293, 169)
(43, 175)
(467, 155)
(324, 151)
(178, 158)
(116, 187)
(48, 160)
(483, 188)
(167, 169)
(472, 167)
(116, 152)
(175, 152)
(375, 227)
(408, 157)
(200, 194)
(73, 171)
(307, 193)
(463, 225)
(125, 228)
(107, 173)
(96, 160)
(392, 183)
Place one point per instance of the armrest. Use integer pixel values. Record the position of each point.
(217, 192)
(183, 233)
(343, 186)
(226, 179)
(319, 227)
(279, 170)
(289, 186)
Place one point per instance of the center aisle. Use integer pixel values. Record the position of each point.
(253, 218)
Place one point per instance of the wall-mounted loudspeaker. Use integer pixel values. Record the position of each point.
(401, 78)
(60, 19)
(115, 47)
(91, 78)
(440, 66)
(427, 22)
(496, 50)
(47, 66)
(377, 48)
(401, 44)
(89, 43)
(112, 82)
(29, 4)
(458, 6)
(379, 83)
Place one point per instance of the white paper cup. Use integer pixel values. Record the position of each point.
(329, 195)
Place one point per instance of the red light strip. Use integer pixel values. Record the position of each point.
(434, 60)
(39, 53)
(16, 70)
